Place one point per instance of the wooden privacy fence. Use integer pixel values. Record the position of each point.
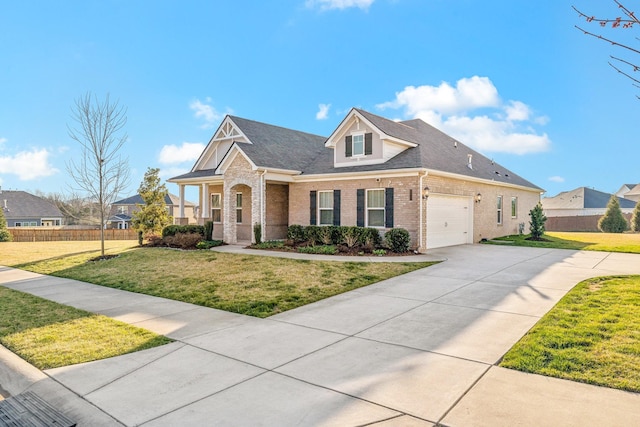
(56, 235)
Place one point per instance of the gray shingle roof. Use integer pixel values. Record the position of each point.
(21, 204)
(583, 198)
(120, 217)
(170, 199)
(202, 173)
(277, 147)
(280, 148)
(436, 150)
(398, 130)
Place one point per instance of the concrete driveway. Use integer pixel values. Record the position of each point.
(415, 350)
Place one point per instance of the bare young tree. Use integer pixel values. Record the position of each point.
(100, 171)
(627, 21)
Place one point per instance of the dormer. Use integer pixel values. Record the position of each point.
(226, 134)
(365, 139)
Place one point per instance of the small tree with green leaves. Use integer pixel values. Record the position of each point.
(613, 221)
(635, 219)
(5, 235)
(536, 225)
(152, 216)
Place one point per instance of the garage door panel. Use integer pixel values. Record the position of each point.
(448, 221)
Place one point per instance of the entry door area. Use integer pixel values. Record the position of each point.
(449, 221)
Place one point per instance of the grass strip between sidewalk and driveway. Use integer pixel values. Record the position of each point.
(592, 335)
(247, 284)
(49, 335)
(607, 242)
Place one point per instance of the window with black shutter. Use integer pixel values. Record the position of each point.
(312, 207)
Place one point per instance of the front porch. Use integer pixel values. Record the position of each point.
(236, 207)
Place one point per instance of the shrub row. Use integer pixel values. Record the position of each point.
(172, 230)
(396, 239)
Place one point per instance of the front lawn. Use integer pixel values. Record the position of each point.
(592, 335)
(49, 335)
(608, 242)
(253, 285)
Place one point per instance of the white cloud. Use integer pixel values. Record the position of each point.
(188, 151)
(556, 179)
(207, 112)
(476, 92)
(499, 127)
(28, 165)
(517, 111)
(339, 4)
(3, 140)
(167, 173)
(323, 111)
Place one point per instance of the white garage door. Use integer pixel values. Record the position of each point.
(448, 221)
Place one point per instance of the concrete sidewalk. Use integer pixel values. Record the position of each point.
(414, 350)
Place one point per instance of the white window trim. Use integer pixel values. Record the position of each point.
(239, 208)
(514, 214)
(366, 208)
(500, 210)
(320, 209)
(218, 208)
(353, 144)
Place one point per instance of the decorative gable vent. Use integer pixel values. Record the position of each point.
(227, 131)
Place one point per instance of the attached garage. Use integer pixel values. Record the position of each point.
(449, 220)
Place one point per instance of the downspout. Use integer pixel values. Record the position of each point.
(422, 246)
(263, 207)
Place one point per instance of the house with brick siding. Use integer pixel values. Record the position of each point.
(370, 172)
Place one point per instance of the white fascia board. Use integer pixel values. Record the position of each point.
(280, 177)
(234, 151)
(209, 149)
(397, 140)
(337, 130)
(482, 180)
(363, 162)
(197, 180)
(353, 113)
(395, 173)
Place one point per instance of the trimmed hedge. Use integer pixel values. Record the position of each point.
(349, 236)
(172, 230)
(397, 239)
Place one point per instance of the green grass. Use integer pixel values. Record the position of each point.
(608, 242)
(592, 335)
(253, 285)
(50, 335)
(13, 254)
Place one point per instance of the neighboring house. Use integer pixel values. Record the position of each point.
(580, 209)
(122, 210)
(26, 210)
(625, 189)
(633, 194)
(370, 172)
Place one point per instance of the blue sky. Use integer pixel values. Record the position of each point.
(515, 80)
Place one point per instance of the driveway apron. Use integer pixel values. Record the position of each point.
(415, 350)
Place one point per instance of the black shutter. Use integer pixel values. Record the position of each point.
(312, 207)
(368, 144)
(360, 207)
(348, 146)
(336, 207)
(388, 207)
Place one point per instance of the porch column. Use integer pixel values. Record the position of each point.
(181, 205)
(206, 212)
(228, 210)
